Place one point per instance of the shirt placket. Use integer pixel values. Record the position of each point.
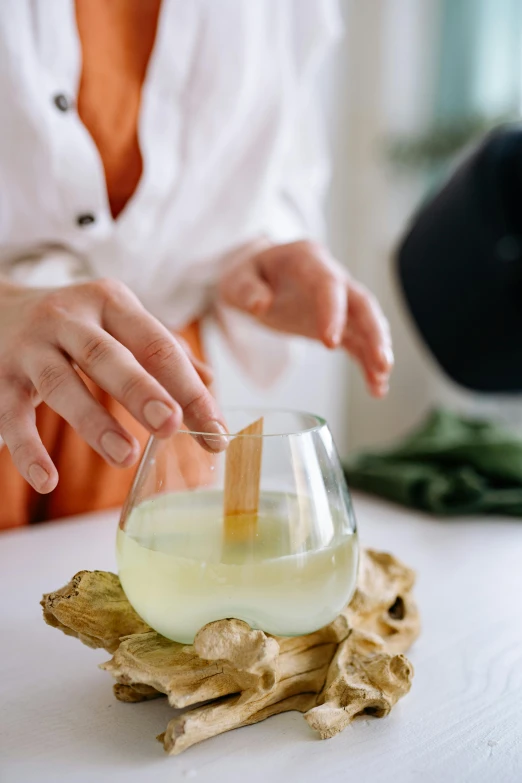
(161, 122)
(77, 167)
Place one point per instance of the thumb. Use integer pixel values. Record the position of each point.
(245, 289)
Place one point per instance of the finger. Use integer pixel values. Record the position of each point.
(113, 368)
(377, 382)
(331, 310)
(64, 391)
(245, 289)
(367, 319)
(202, 368)
(19, 433)
(163, 357)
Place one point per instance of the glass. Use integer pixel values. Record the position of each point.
(288, 569)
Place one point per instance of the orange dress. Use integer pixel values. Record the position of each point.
(117, 39)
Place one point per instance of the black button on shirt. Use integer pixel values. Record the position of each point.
(85, 220)
(62, 102)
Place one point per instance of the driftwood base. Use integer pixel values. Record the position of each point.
(233, 676)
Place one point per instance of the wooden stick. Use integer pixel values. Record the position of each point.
(242, 483)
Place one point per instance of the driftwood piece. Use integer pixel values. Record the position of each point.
(233, 676)
(94, 608)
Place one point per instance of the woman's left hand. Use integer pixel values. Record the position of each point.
(300, 289)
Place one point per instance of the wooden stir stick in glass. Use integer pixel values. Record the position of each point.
(242, 483)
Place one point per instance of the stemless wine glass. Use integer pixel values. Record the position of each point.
(287, 569)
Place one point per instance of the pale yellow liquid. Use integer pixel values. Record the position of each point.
(179, 572)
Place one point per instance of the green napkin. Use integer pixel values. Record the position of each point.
(449, 466)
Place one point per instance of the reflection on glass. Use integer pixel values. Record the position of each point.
(289, 569)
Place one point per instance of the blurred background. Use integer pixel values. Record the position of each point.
(411, 85)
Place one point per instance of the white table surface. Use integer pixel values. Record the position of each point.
(461, 722)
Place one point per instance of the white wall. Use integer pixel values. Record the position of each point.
(380, 83)
(391, 54)
(319, 383)
(392, 47)
(316, 385)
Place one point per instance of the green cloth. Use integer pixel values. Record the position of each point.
(449, 466)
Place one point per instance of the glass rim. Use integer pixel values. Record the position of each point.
(260, 413)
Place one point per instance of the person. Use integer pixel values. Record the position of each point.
(459, 267)
(160, 164)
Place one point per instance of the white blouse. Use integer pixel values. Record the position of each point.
(228, 134)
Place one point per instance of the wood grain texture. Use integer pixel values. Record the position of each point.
(242, 486)
(243, 471)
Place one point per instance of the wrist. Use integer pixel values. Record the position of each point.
(234, 265)
(244, 254)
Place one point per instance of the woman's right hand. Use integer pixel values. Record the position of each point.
(101, 328)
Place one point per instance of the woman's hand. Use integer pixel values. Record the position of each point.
(300, 289)
(101, 328)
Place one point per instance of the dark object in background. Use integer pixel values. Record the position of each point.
(460, 268)
(449, 466)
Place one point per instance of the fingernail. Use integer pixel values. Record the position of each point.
(386, 355)
(156, 414)
(116, 447)
(254, 304)
(333, 337)
(39, 477)
(257, 303)
(216, 439)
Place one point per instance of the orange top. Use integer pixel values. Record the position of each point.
(117, 38)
